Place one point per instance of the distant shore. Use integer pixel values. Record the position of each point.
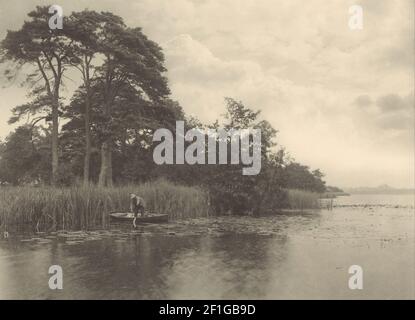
(380, 191)
(332, 195)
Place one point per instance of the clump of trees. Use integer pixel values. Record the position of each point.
(102, 134)
(116, 64)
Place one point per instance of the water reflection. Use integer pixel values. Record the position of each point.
(155, 266)
(228, 267)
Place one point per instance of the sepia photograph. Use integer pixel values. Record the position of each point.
(207, 150)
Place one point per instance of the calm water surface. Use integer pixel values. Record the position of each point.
(280, 257)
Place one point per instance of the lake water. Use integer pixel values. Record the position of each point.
(280, 257)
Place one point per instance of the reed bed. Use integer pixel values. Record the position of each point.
(81, 208)
(300, 199)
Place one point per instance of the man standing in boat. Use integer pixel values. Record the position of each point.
(136, 205)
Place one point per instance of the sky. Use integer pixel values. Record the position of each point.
(342, 99)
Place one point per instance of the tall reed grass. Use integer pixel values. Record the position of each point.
(300, 199)
(81, 208)
(77, 208)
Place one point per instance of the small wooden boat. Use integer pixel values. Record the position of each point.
(148, 218)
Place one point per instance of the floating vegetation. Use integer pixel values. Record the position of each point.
(212, 227)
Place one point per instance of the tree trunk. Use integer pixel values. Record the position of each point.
(87, 82)
(105, 175)
(54, 96)
(55, 132)
(87, 158)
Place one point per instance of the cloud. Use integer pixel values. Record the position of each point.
(394, 103)
(386, 122)
(396, 113)
(363, 101)
(192, 62)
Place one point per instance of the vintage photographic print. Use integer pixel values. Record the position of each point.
(177, 150)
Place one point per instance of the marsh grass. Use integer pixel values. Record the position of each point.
(83, 208)
(76, 208)
(300, 199)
